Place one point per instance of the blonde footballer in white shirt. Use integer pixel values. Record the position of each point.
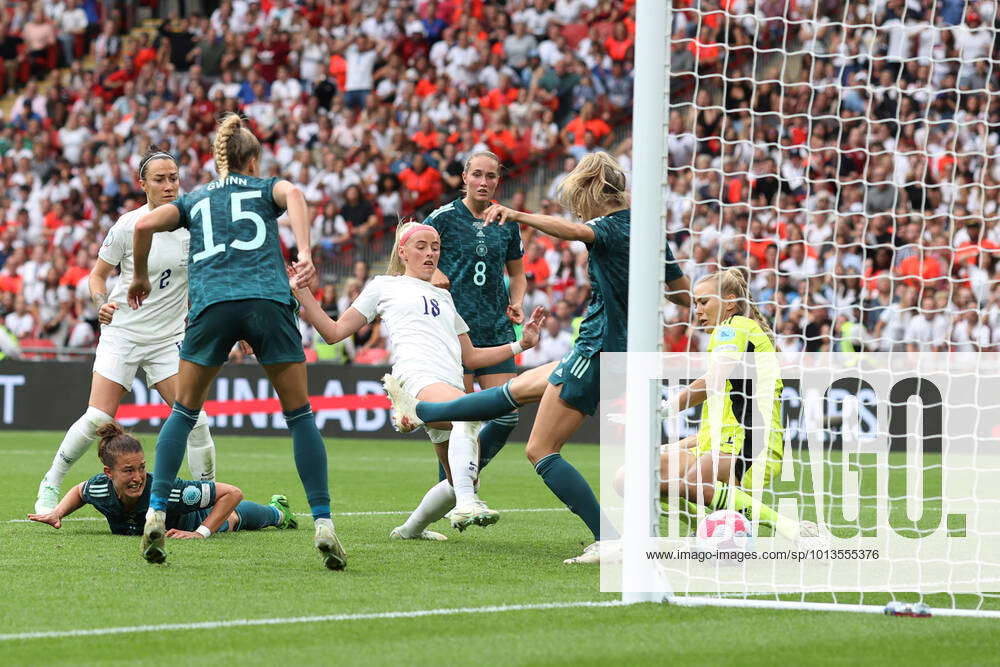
(131, 339)
(429, 344)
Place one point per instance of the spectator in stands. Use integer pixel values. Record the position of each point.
(21, 322)
(422, 184)
(39, 35)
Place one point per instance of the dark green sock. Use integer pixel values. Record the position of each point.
(570, 487)
(170, 448)
(254, 516)
(493, 436)
(310, 459)
(478, 406)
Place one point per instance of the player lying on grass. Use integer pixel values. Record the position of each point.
(430, 344)
(714, 464)
(596, 190)
(196, 508)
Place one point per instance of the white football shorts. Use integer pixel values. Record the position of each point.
(119, 359)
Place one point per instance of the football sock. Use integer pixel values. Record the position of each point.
(254, 516)
(170, 453)
(570, 487)
(485, 404)
(310, 459)
(463, 459)
(435, 504)
(733, 497)
(442, 474)
(201, 451)
(493, 436)
(75, 444)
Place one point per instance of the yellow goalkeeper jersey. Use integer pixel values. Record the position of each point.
(742, 339)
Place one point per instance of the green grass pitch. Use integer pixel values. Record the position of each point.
(81, 577)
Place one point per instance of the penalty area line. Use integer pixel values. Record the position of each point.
(330, 618)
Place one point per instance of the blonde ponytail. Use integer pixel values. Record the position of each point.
(732, 287)
(234, 145)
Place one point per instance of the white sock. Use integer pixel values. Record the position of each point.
(463, 459)
(436, 502)
(201, 451)
(75, 444)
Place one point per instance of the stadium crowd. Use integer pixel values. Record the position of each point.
(846, 153)
(849, 162)
(371, 107)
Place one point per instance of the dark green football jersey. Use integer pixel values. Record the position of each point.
(185, 497)
(235, 253)
(474, 258)
(605, 325)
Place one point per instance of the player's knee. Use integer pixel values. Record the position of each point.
(96, 418)
(536, 451)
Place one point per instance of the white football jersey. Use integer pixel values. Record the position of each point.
(162, 314)
(421, 323)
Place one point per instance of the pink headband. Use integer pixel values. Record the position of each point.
(413, 230)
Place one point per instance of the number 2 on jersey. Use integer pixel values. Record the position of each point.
(164, 278)
(236, 200)
(431, 307)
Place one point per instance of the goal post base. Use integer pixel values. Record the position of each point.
(795, 605)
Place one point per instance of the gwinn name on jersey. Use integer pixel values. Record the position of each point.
(234, 253)
(162, 314)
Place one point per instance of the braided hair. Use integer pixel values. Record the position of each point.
(234, 146)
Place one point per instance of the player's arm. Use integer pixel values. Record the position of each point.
(480, 357)
(332, 331)
(71, 502)
(97, 281)
(291, 199)
(518, 286)
(227, 497)
(164, 218)
(679, 291)
(548, 224)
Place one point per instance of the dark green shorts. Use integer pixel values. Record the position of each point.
(580, 379)
(270, 328)
(503, 367)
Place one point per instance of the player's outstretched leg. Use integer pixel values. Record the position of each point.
(75, 444)
(482, 405)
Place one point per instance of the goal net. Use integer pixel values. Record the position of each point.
(843, 155)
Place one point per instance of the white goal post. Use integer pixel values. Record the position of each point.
(844, 154)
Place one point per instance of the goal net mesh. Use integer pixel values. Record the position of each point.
(844, 154)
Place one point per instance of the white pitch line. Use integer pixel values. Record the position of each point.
(335, 514)
(250, 622)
